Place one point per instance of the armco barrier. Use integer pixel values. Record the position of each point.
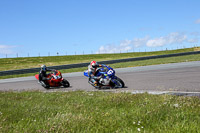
(33, 70)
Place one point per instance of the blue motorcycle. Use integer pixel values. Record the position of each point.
(108, 78)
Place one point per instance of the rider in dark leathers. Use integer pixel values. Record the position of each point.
(43, 76)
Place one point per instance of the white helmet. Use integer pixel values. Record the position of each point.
(93, 63)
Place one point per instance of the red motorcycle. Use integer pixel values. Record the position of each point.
(56, 79)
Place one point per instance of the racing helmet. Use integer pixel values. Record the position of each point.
(93, 63)
(43, 67)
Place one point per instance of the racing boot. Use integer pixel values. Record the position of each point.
(95, 83)
(45, 85)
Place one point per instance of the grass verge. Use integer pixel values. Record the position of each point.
(97, 112)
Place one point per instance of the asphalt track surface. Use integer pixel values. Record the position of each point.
(180, 78)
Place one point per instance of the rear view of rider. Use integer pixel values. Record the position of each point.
(92, 72)
(43, 76)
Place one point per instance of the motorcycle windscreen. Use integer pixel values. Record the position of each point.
(86, 73)
(37, 76)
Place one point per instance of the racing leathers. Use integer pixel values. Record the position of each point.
(43, 77)
(92, 74)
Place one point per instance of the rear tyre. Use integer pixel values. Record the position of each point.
(65, 83)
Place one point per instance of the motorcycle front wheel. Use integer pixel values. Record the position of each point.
(118, 83)
(65, 83)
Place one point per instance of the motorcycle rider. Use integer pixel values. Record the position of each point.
(92, 67)
(43, 76)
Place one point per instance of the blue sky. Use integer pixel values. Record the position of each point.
(45, 27)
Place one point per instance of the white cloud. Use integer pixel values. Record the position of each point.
(124, 46)
(111, 48)
(197, 21)
(156, 42)
(6, 49)
(170, 39)
(137, 42)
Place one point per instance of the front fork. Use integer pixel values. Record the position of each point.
(113, 82)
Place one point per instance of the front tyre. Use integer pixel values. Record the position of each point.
(121, 82)
(118, 83)
(65, 83)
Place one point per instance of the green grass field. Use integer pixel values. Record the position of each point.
(92, 112)
(33, 62)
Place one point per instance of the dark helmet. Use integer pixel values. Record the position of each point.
(43, 67)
